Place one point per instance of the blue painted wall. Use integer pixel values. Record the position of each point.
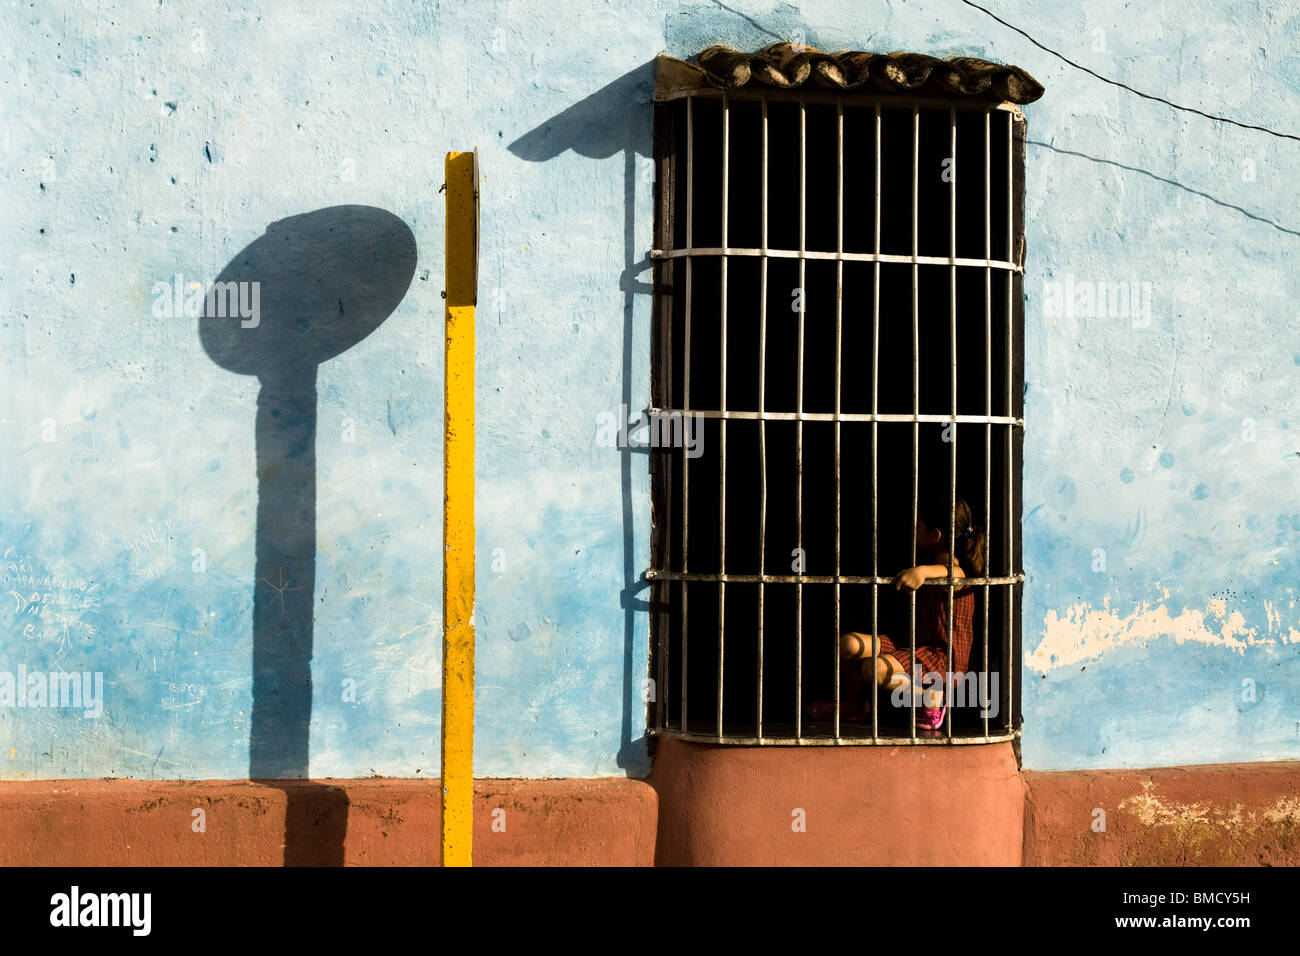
(151, 140)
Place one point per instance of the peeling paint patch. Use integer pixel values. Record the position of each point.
(1274, 615)
(1151, 811)
(1081, 633)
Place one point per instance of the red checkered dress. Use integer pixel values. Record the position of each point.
(932, 632)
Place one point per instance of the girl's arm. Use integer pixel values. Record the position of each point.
(913, 578)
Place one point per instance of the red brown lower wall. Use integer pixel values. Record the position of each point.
(701, 805)
(1214, 815)
(377, 822)
(838, 806)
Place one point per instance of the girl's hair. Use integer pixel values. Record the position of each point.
(970, 545)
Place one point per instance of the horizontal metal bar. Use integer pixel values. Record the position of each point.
(851, 99)
(658, 574)
(839, 417)
(831, 741)
(740, 251)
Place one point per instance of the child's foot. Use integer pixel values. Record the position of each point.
(932, 710)
(930, 718)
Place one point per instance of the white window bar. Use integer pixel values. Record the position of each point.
(798, 429)
(839, 323)
(686, 395)
(735, 578)
(762, 423)
(875, 410)
(722, 423)
(916, 394)
(734, 414)
(734, 251)
(831, 97)
(1009, 421)
(952, 308)
(988, 404)
(1008, 665)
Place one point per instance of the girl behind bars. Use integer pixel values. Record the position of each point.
(895, 668)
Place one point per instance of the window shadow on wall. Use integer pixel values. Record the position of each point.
(308, 290)
(616, 120)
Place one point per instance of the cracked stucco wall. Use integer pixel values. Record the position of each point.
(155, 139)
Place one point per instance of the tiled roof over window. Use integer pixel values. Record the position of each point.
(783, 66)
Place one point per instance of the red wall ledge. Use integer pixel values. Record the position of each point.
(702, 805)
(838, 806)
(1213, 815)
(375, 822)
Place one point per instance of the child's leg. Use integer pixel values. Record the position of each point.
(889, 670)
(855, 701)
(934, 663)
(889, 673)
(862, 647)
(932, 697)
(927, 689)
(855, 646)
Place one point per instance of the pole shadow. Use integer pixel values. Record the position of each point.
(308, 290)
(618, 118)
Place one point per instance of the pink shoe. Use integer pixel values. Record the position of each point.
(930, 718)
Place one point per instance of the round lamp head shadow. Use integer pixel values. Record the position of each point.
(309, 289)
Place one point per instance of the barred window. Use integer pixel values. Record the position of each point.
(838, 272)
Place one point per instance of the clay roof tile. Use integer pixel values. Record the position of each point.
(784, 66)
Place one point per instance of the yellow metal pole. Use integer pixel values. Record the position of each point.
(458, 512)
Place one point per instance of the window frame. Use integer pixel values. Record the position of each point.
(668, 163)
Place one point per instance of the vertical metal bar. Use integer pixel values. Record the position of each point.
(1009, 664)
(686, 388)
(664, 523)
(875, 441)
(839, 313)
(988, 393)
(722, 422)
(916, 393)
(762, 425)
(952, 304)
(798, 425)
